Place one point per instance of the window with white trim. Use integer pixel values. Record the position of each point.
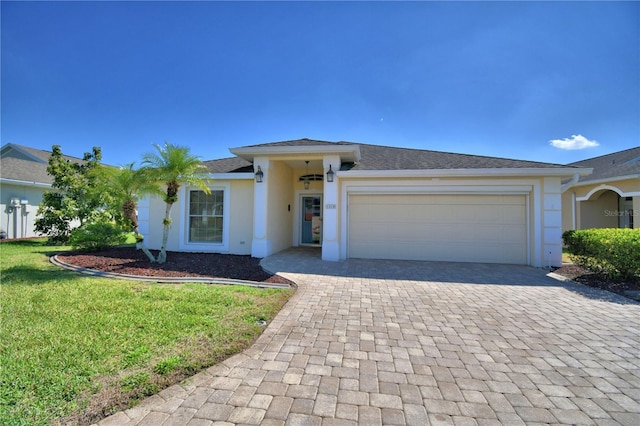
(206, 216)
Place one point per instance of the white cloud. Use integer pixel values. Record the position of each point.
(574, 142)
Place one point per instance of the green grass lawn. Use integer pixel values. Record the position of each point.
(73, 346)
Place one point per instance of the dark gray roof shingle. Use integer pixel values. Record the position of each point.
(617, 164)
(375, 157)
(22, 163)
(24, 170)
(379, 157)
(229, 165)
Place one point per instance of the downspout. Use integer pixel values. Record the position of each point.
(573, 181)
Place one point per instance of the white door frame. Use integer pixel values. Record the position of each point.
(297, 231)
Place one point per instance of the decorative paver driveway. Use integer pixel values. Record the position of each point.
(418, 343)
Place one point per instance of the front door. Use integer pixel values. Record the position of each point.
(311, 220)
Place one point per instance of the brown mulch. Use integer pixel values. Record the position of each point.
(129, 260)
(588, 278)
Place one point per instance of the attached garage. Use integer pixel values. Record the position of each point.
(438, 227)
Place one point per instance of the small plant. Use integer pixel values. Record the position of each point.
(168, 365)
(135, 356)
(97, 236)
(140, 383)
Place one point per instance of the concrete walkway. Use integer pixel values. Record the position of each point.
(419, 343)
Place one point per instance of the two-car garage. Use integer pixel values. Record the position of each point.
(439, 227)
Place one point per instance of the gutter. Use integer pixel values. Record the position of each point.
(25, 183)
(487, 172)
(608, 180)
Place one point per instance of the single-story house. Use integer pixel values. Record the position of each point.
(23, 180)
(607, 198)
(354, 200)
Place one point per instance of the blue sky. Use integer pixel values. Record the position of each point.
(489, 78)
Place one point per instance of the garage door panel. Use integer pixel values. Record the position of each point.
(473, 228)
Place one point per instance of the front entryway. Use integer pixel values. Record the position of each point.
(311, 220)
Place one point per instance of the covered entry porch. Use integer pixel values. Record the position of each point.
(295, 199)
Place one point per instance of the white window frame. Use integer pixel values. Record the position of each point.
(187, 245)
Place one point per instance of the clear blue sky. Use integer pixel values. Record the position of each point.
(490, 78)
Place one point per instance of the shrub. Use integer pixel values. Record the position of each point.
(97, 236)
(611, 252)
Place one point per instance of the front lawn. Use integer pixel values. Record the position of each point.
(78, 348)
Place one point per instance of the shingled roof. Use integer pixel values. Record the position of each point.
(379, 157)
(229, 165)
(25, 164)
(618, 164)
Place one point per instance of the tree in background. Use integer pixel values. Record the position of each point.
(171, 166)
(75, 198)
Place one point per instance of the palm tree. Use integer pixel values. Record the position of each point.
(125, 185)
(171, 166)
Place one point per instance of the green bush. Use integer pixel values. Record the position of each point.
(611, 252)
(97, 236)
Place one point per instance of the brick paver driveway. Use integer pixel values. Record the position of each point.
(381, 342)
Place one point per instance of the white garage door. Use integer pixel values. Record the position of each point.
(462, 228)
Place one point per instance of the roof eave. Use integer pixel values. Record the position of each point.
(347, 153)
(606, 180)
(25, 183)
(497, 172)
(231, 176)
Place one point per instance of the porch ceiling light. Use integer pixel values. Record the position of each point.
(307, 182)
(330, 174)
(259, 175)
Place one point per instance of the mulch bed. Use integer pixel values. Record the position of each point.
(584, 276)
(129, 260)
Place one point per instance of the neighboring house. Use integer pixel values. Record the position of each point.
(367, 201)
(23, 180)
(607, 198)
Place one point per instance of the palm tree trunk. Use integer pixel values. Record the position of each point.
(162, 256)
(141, 245)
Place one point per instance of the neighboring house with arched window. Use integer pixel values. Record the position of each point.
(607, 198)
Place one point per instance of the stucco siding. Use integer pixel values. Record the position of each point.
(624, 186)
(552, 222)
(241, 216)
(568, 211)
(279, 212)
(593, 211)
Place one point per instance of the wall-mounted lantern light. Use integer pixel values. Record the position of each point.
(259, 175)
(330, 174)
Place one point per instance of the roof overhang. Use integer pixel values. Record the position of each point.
(231, 176)
(607, 180)
(488, 172)
(347, 153)
(25, 183)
